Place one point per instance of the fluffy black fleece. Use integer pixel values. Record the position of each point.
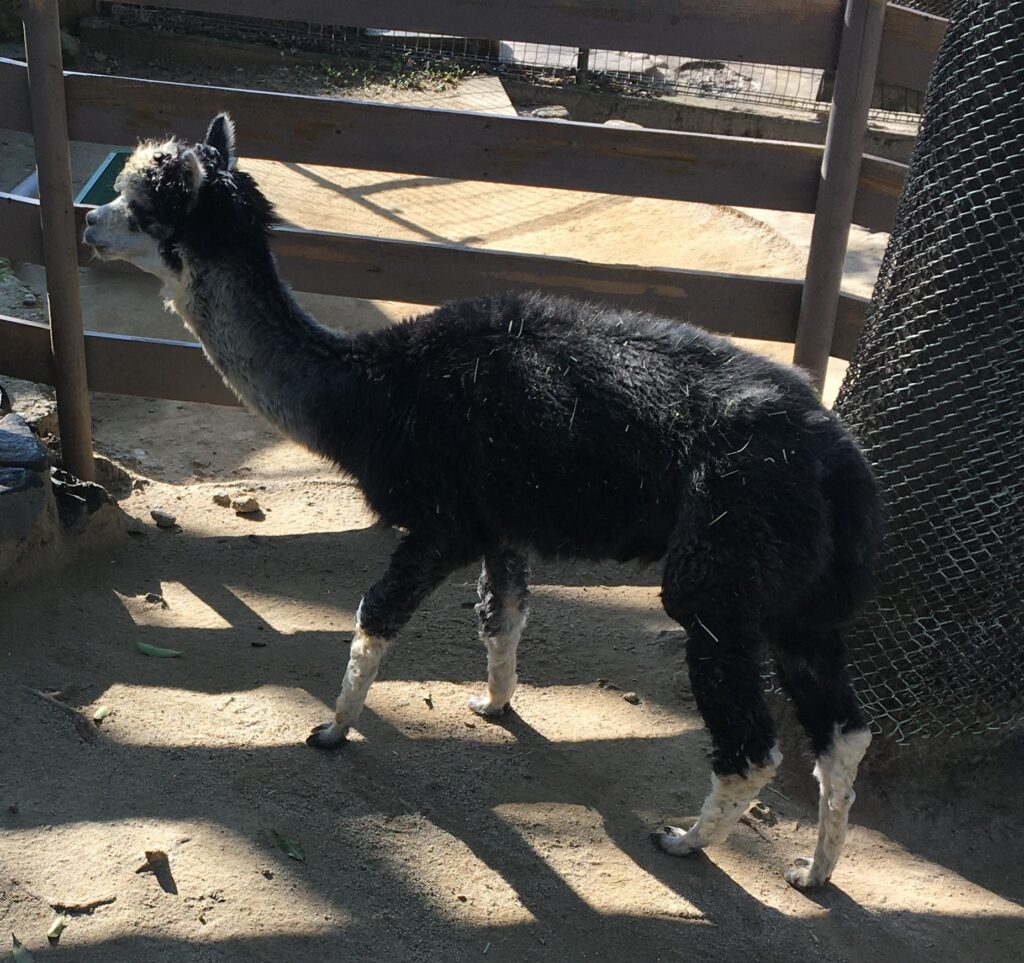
(521, 423)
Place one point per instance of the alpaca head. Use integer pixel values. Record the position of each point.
(180, 202)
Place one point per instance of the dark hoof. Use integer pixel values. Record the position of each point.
(327, 735)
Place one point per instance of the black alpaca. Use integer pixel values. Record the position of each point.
(519, 425)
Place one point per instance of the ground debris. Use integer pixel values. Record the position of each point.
(632, 698)
(85, 731)
(222, 498)
(163, 519)
(57, 927)
(158, 863)
(245, 505)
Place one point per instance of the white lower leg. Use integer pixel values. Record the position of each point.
(836, 771)
(363, 661)
(728, 800)
(501, 666)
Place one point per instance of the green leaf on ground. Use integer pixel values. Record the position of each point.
(289, 846)
(21, 955)
(156, 652)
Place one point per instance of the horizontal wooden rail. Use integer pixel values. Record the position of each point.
(179, 371)
(589, 157)
(417, 272)
(796, 33)
(120, 365)
(15, 110)
(910, 43)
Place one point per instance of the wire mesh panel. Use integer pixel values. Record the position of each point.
(936, 395)
(636, 73)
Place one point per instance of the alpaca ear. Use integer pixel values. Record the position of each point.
(193, 172)
(220, 135)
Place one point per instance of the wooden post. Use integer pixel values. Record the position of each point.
(60, 240)
(837, 189)
(582, 65)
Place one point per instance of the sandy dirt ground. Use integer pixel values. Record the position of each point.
(433, 835)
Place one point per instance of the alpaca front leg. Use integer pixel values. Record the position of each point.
(416, 569)
(503, 610)
(363, 662)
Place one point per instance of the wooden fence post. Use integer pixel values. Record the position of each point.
(837, 189)
(60, 241)
(582, 65)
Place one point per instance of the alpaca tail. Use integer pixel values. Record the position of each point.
(851, 492)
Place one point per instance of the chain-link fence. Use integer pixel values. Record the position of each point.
(634, 73)
(935, 394)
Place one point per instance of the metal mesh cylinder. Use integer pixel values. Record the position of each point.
(935, 394)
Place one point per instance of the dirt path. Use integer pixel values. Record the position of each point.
(433, 835)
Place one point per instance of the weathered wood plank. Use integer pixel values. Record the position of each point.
(665, 164)
(417, 140)
(348, 265)
(910, 43)
(800, 33)
(878, 192)
(15, 111)
(144, 367)
(25, 350)
(178, 371)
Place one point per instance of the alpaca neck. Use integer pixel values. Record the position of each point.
(275, 357)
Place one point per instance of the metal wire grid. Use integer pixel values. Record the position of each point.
(640, 74)
(936, 395)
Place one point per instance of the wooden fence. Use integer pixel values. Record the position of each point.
(863, 40)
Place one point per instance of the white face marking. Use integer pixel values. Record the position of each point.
(729, 799)
(112, 232)
(836, 771)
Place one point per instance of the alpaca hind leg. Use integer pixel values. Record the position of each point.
(503, 610)
(726, 681)
(812, 668)
(416, 569)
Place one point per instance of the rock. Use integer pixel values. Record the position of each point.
(30, 300)
(34, 402)
(22, 499)
(163, 519)
(76, 499)
(222, 498)
(762, 813)
(245, 505)
(19, 447)
(154, 599)
(615, 122)
(632, 698)
(551, 112)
